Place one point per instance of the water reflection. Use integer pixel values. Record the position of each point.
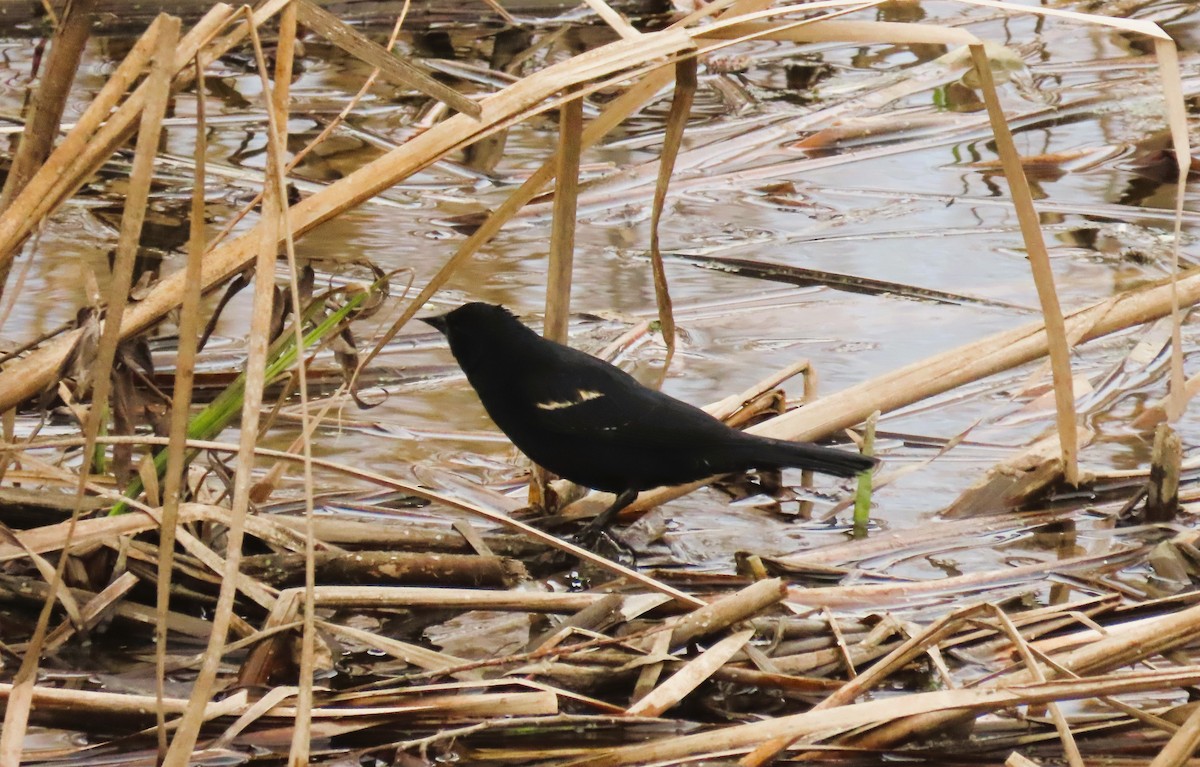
(900, 187)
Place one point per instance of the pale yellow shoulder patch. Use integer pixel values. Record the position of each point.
(583, 395)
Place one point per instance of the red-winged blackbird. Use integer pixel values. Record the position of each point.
(594, 424)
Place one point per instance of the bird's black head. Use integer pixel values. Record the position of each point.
(481, 334)
(471, 319)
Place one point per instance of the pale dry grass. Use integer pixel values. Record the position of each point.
(666, 642)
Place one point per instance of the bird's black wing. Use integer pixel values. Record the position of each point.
(574, 393)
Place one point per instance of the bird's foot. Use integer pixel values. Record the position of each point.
(592, 531)
(600, 542)
(588, 536)
(605, 543)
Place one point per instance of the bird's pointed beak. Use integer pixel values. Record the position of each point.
(438, 322)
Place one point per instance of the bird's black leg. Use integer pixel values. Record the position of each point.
(588, 534)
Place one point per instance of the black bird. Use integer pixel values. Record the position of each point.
(594, 424)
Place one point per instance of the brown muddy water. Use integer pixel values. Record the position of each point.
(883, 171)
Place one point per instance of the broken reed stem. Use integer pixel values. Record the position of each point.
(658, 646)
(952, 368)
(562, 249)
(694, 673)
(396, 68)
(321, 137)
(1117, 650)
(181, 401)
(1181, 748)
(621, 107)
(95, 137)
(912, 647)
(93, 611)
(1168, 67)
(1144, 717)
(1166, 462)
(269, 232)
(630, 100)
(285, 53)
(277, 115)
(534, 94)
(1070, 747)
(1039, 261)
(728, 610)
(421, 491)
(158, 85)
(48, 103)
(879, 713)
(613, 19)
(562, 227)
(677, 118)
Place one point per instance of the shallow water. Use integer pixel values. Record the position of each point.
(919, 207)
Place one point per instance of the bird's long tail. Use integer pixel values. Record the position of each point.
(776, 453)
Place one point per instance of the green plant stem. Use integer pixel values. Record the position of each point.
(862, 497)
(211, 421)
